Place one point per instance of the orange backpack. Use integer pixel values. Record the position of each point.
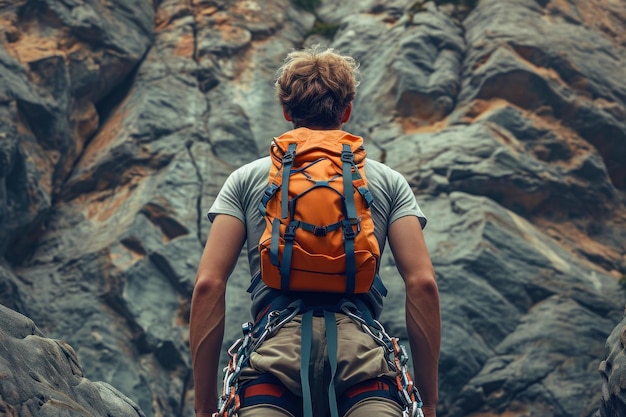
(319, 234)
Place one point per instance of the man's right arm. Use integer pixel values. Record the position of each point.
(208, 308)
(423, 319)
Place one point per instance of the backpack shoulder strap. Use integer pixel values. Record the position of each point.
(288, 159)
(347, 159)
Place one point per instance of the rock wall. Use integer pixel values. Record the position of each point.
(121, 119)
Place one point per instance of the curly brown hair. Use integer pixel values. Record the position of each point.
(315, 86)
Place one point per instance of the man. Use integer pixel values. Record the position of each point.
(316, 88)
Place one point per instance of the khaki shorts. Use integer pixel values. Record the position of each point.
(359, 358)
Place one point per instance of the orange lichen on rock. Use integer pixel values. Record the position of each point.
(85, 119)
(107, 135)
(166, 13)
(186, 46)
(31, 48)
(570, 236)
(480, 108)
(544, 72)
(125, 254)
(606, 16)
(517, 409)
(230, 33)
(412, 125)
(103, 205)
(161, 215)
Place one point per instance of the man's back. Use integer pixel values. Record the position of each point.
(243, 190)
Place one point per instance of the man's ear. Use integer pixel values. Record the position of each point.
(346, 113)
(286, 115)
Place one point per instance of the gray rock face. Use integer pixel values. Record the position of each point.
(614, 373)
(42, 377)
(120, 120)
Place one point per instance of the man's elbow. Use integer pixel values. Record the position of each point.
(207, 285)
(424, 283)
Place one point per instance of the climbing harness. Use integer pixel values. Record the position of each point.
(229, 402)
(397, 359)
(395, 354)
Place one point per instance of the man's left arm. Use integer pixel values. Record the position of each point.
(423, 319)
(208, 308)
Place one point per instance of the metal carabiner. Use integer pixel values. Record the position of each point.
(274, 324)
(229, 401)
(287, 319)
(415, 411)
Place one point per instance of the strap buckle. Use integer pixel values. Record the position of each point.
(290, 232)
(288, 157)
(348, 232)
(320, 230)
(347, 156)
(271, 190)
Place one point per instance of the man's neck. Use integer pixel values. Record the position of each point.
(319, 127)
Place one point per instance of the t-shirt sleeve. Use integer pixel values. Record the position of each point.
(229, 199)
(405, 203)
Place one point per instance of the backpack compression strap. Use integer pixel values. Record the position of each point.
(285, 266)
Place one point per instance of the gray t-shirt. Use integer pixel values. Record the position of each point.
(242, 191)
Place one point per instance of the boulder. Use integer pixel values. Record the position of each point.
(43, 377)
(613, 369)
